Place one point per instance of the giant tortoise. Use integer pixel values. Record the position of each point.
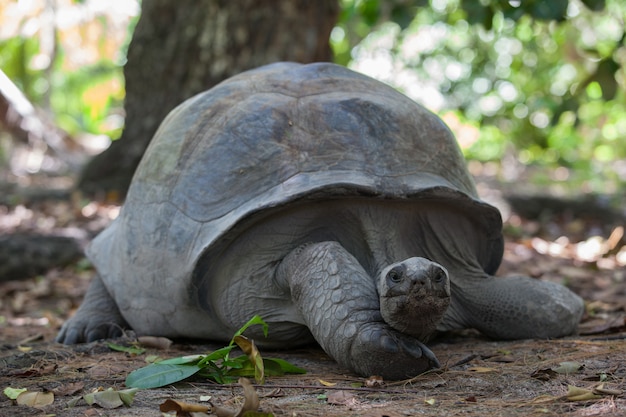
(326, 202)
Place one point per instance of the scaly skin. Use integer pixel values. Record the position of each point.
(339, 303)
(513, 307)
(97, 318)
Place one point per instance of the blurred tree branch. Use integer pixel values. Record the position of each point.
(28, 125)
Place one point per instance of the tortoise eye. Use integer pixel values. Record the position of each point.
(439, 277)
(394, 276)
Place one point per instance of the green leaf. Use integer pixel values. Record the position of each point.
(605, 76)
(550, 10)
(217, 365)
(111, 398)
(285, 366)
(370, 11)
(127, 396)
(159, 375)
(403, 15)
(478, 13)
(217, 355)
(13, 393)
(108, 399)
(595, 5)
(253, 321)
(183, 360)
(134, 350)
(272, 367)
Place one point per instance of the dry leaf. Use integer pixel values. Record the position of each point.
(341, 398)
(181, 407)
(69, 388)
(35, 399)
(110, 398)
(580, 394)
(543, 374)
(568, 367)
(501, 359)
(327, 384)
(162, 343)
(275, 393)
(481, 369)
(543, 399)
(374, 381)
(600, 390)
(249, 348)
(251, 402)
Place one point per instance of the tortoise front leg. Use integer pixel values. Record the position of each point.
(339, 304)
(98, 317)
(513, 307)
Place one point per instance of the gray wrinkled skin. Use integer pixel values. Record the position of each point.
(293, 191)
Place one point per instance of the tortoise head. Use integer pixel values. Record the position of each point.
(414, 296)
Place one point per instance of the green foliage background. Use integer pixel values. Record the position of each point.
(541, 82)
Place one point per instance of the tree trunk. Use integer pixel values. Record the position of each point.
(183, 47)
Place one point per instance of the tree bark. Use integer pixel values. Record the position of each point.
(183, 47)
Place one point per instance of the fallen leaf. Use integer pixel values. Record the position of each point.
(23, 373)
(609, 323)
(249, 348)
(182, 407)
(275, 393)
(152, 358)
(110, 398)
(128, 396)
(341, 397)
(600, 390)
(580, 394)
(250, 404)
(502, 359)
(162, 343)
(374, 381)
(159, 374)
(327, 384)
(568, 367)
(69, 388)
(430, 401)
(481, 369)
(543, 399)
(543, 374)
(13, 393)
(35, 399)
(132, 350)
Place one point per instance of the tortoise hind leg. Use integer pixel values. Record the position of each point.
(339, 303)
(97, 318)
(513, 307)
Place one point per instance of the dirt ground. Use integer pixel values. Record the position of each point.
(479, 377)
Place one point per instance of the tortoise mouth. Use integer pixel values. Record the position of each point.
(415, 314)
